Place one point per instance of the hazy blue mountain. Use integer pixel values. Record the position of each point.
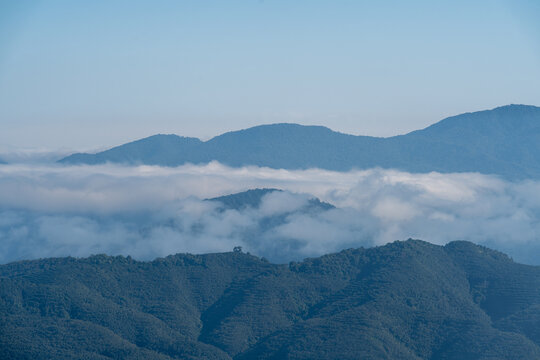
(253, 198)
(249, 198)
(167, 150)
(405, 300)
(503, 141)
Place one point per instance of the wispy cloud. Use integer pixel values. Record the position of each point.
(149, 211)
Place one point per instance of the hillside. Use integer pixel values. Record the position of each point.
(503, 141)
(406, 300)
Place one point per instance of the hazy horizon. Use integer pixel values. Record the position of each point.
(22, 154)
(92, 76)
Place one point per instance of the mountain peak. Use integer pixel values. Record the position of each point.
(253, 198)
(516, 106)
(268, 131)
(249, 198)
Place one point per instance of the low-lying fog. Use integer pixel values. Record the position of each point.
(147, 211)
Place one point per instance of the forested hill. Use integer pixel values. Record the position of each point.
(405, 300)
(253, 198)
(249, 198)
(503, 141)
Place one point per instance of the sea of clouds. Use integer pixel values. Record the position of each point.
(150, 211)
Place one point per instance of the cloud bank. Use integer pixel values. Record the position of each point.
(150, 211)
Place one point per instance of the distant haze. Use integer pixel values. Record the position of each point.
(88, 75)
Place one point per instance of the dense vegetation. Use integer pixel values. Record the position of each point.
(503, 141)
(405, 300)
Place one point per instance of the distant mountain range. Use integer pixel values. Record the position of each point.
(405, 300)
(503, 141)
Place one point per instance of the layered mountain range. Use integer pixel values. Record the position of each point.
(504, 141)
(405, 300)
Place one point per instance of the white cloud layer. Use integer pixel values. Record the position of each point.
(149, 211)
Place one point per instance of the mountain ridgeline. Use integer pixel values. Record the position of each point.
(250, 198)
(404, 300)
(503, 141)
(253, 198)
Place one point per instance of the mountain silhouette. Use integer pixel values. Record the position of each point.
(503, 141)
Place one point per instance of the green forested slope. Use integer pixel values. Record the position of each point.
(407, 300)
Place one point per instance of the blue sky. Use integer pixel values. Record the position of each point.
(90, 74)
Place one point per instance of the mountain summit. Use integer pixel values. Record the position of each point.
(503, 141)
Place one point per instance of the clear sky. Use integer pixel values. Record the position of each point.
(89, 74)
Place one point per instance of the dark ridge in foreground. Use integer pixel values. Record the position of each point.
(503, 141)
(405, 300)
